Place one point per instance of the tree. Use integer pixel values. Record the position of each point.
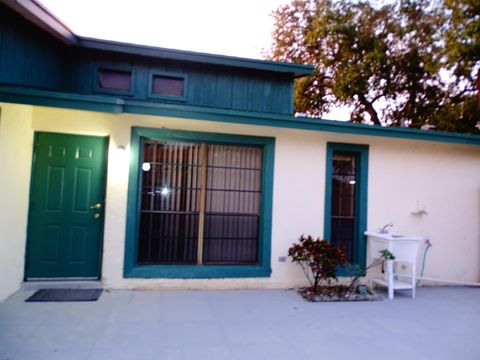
(462, 54)
(385, 62)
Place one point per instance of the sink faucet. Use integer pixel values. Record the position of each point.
(384, 229)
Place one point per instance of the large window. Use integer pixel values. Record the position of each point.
(200, 203)
(202, 207)
(346, 199)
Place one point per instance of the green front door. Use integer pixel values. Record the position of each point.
(66, 206)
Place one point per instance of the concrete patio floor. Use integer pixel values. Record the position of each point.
(441, 323)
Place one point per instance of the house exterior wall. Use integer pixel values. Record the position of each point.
(444, 178)
(16, 139)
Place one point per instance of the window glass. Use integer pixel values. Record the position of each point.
(170, 202)
(200, 203)
(167, 85)
(343, 217)
(114, 79)
(232, 209)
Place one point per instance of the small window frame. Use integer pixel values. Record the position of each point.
(105, 66)
(152, 95)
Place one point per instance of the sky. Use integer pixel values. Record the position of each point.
(237, 28)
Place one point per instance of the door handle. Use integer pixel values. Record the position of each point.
(96, 206)
(96, 216)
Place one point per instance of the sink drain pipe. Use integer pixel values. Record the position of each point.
(428, 246)
(421, 277)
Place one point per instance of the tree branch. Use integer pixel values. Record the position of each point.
(369, 109)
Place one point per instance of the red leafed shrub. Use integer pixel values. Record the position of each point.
(318, 259)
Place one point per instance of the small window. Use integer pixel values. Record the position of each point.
(167, 86)
(118, 80)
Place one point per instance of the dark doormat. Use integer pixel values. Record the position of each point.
(66, 295)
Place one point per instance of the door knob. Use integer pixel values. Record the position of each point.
(96, 206)
(96, 216)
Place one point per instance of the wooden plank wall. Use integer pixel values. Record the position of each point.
(28, 56)
(208, 85)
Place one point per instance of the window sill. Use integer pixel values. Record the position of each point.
(197, 271)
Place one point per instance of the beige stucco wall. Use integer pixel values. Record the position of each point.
(16, 140)
(444, 178)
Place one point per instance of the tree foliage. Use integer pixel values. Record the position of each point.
(462, 54)
(406, 63)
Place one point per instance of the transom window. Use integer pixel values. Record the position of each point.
(167, 85)
(200, 203)
(113, 79)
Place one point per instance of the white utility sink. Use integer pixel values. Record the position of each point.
(389, 236)
(404, 248)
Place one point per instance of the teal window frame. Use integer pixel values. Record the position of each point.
(153, 95)
(134, 270)
(361, 198)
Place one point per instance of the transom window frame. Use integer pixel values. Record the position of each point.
(152, 95)
(361, 198)
(134, 270)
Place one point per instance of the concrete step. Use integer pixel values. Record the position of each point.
(62, 284)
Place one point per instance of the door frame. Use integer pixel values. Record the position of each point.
(30, 196)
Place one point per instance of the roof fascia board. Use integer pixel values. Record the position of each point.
(28, 96)
(43, 18)
(298, 70)
(116, 105)
(140, 107)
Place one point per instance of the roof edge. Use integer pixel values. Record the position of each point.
(298, 70)
(29, 96)
(40, 16)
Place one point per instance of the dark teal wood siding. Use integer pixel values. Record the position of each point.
(208, 85)
(29, 57)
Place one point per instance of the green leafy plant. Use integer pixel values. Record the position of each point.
(318, 259)
(357, 272)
